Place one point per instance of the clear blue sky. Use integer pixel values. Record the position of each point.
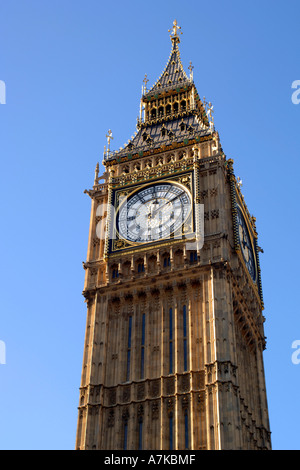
(73, 69)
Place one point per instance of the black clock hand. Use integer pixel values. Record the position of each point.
(244, 241)
(166, 203)
(247, 243)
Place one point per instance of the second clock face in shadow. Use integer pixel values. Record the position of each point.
(246, 244)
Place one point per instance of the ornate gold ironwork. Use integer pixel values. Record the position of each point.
(174, 30)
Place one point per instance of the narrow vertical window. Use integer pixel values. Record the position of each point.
(193, 256)
(167, 261)
(143, 346)
(171, 431)
(125, 435)
(128, 349)
(115, 273)
(140, 434)
(141, 267)
(170, 341)
(186, 429)
(185, 366)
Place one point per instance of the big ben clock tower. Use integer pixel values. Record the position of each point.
(173, 354)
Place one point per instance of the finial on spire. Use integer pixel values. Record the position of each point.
(145, 84)
(209, 112)
(109, 138)
(174, 32)
(239, 182)
(209, 109)
(96, 174)
(191, 67)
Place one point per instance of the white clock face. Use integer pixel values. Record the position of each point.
(153, 213)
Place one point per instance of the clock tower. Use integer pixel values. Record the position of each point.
(173, 353)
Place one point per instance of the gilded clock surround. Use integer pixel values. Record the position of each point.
(173, 354)
(185, 182)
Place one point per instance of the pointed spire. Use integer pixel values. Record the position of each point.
(173, 74)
